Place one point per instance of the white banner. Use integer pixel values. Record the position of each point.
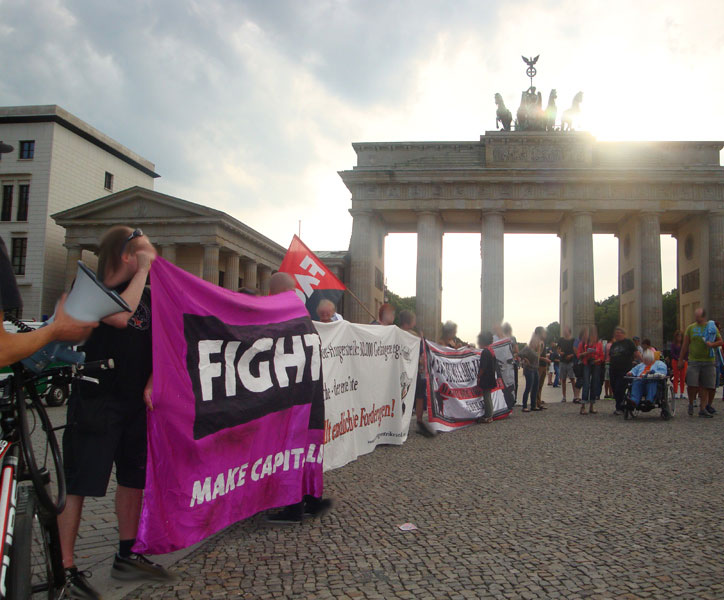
(370, 372)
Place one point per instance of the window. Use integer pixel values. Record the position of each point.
(27, 149)
(690, 282)
(7, 209)
(627, 281)
(221, 278)
(108, 184)
(564, 281)
(379, 280)
(24, 193)
(19, 254)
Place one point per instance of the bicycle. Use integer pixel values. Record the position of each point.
(32, 492)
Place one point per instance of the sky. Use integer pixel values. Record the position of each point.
(251, 107)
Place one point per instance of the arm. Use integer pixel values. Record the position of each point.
(715, 343)
(684, 353)
(148, 393)
(132, 294)
(16, 346)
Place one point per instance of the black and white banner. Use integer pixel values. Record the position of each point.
(454, 399)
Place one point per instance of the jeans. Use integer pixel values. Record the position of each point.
(618, 385)
(556, 380)
(591, 383)
(531, 386)
(515, 376)
(638, 387)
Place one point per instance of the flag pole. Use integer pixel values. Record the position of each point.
(351, 293)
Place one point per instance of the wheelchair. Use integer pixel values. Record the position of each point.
(664, 399)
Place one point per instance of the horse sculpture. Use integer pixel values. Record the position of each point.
(502, 116)
(551, 111)
(570, 115)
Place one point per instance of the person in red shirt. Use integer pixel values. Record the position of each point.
(590, 353)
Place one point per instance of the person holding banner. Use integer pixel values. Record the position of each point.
(386, 315)
(106, 422)
(408, 321)
(487, 376)
(310, 506)
(449, 336)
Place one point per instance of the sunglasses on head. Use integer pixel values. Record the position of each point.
(136, 234)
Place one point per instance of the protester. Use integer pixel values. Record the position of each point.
(326, 310)
(487, 378)
(700, 339)
(621, 355)
(507, 331)
(678, 366)
(449, 336)
(386, 315)
(530, 355)
(568, 356)
(647, 387)
(590, 353)
(309, 506)
(17, 346)
(408, 321)
(106, 421)
(637, 340)
(543, 362)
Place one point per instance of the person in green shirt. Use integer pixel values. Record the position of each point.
(701, 374)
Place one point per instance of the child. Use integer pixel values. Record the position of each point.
(487, 378)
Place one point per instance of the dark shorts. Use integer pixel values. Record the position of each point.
(102, 431)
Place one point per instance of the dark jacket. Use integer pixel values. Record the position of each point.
(487, 378)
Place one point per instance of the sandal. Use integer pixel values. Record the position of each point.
(525, 410)
(583, 410)
(593, 411)
(542, 407)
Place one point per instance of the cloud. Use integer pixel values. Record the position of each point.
(251, 107)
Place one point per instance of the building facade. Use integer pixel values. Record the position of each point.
(59, 161)
(568, 184)
(205, 242)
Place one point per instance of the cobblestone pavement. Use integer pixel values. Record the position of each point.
(541, 505)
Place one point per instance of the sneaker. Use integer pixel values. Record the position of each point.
(316, 507)
(290, 515)
(564, 400)
(617, 412)
(77, 586)
(424, 429)
(711, 410)
(690, 410)
(137, 566)
(706, 415)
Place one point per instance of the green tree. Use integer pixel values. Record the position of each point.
(553, 332)
(606, 317)
(670, 314)
(400, 304)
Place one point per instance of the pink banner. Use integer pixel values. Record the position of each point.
(237, 425)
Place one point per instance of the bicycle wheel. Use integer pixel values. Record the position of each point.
(36, 565)
(41, 453)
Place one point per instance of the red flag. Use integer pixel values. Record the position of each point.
(314, 279)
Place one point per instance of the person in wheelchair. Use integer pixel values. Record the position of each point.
(644, 384)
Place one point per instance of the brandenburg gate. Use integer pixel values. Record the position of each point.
(566, 183)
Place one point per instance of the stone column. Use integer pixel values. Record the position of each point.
(250, 273)
(264, 274)
(75, 253)
(491, 281)
(231, 276)
(580, 276)
(362, 265)
(429, 273)
(168, 251)
(211, 263)
(652, 323)
(715, 306)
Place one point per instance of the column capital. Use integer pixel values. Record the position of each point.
(212, 245)
(650, 212)
(581, 213)
(493, 213)
(71, 246)
(419, 212)
(716, 212)
(361, 212)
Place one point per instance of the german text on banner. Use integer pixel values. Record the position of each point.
(237, 424)
(314, 279)
(454, 399)
(370, 373)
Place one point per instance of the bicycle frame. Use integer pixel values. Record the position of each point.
(8, 504)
